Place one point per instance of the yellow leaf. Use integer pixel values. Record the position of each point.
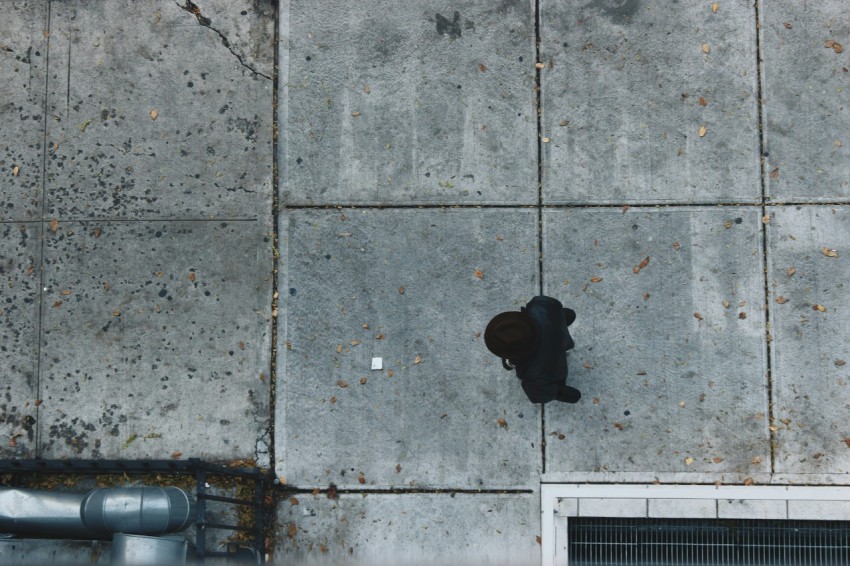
(819, 308)
(702, 131)
(356, 114)
(791, 271)
(417, 360)
(154, 114)
(595, 279)
(715, 7)
(15, 171)
(689, 461)
(502, 423)
(342, 383)
(829, 253)
(54, 225)
(706, 48)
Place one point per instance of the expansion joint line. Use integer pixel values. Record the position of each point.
(538, 111)
(764, 228)
(193, 9)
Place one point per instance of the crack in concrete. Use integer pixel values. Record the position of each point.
(193, 9)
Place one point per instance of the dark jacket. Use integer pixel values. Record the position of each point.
(544, 373)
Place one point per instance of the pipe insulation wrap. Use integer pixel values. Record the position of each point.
(96, 514)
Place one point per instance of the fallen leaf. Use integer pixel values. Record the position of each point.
(706, 48)
(191, 276)
(499, 238)
(316, 491)
(847, 442)
(791, 271)
(38, 402)
(742, 315)
(538, 539)
(379, 336)
(342, 383)
(773, 428)
(646, 296)
(717, 459)
(702, 101)
(417, 360)
(563, 123)
(676, 246)
(619, 426)
(539, 66)
(478, 273)
(293, 501)
(356, 114)
(788, 25)
(390, 373)
(759, 416)
(561, 436)
(97, 232)
(595, 279)
(644, 263)
(365, 326)
(689, 461)
(829, 252)
(819, 308)
(292, 530)
(154, 114)
(786, 422)
(363, 380)
(30, 270)
(546, 140)
(625, 209)
(781, 300)
(774, 173)
(502, 423)
(641, 372)
(355, 342)
(482, 67)
(756, 460)
(765, 219)
(682, 404)
(176, 454)
(586, 365)
(241, 345)
(54, 225)
(840, 363)
(361, 478)
(749, 481)
(57, 304)
(116, 312)
(702, 131)
(366, 89)
(401, 290)
(715, 7)
(398, 468)
(698, 316)
(339, 348)
(15, 171)
(596, 400)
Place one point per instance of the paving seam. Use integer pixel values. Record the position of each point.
(42, 232)
(538, 95)
(764, 242)
(760, 205)
(378, 491)
(215, 219)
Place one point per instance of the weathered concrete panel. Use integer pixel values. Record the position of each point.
(416, 288)
(809, 271)
(429, 102)
(23, 55)
(20, 269)
(805, 48)
(628, 88)
(156, 340)
(670, 340)
(418, 528)
(158, 119)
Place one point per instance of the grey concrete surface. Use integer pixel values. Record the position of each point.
(810, 349)
(39, 551)
(207, 149)
(626, 89)
(806, 116)
(20, 268)
(672, 379)
(416, 288)
(155, 340)
(432, 103)
(22, 69)
(419, 528)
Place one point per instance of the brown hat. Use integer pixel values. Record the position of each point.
(512, 335)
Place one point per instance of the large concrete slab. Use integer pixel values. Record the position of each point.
(673, 379)
(432, 103)
(23, 66)
(156, 339)
(811, 349)
(415, 288)
(805, 50)
(20, 269)
(417, 528)
(159, 119)
(627, 89)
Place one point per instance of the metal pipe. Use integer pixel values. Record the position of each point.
(97, 514)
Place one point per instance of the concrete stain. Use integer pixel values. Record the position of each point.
(620, 12)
